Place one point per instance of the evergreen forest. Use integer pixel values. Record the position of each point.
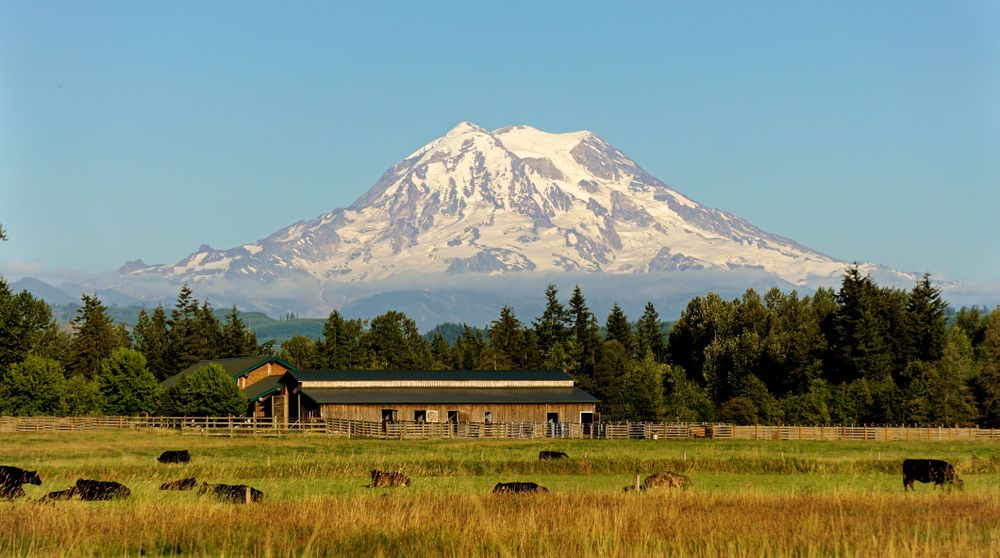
(863, 354)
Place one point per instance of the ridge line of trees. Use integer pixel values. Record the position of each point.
(861, 354)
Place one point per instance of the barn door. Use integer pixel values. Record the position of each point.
(552, 425)
(586, 422)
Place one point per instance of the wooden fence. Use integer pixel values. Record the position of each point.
(242, 426)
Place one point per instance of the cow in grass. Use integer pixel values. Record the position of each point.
(667, 479)
(546, 454)
(174, 456)
(181, 484)
(92, 490)
(664, 479)
(11, 480)
(234, 493)
(387, 479)
(519, 488)
(60, 494)
(929, 470)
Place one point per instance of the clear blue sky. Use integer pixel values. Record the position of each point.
(869, 131)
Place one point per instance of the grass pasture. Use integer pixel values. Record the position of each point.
(750, 498)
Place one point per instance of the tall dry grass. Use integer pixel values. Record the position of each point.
(596, 524)
(749, 499)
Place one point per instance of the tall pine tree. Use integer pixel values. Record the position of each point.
(507, 341)
(650, 334)
(551, 327)
(342, 347)
(926, 323)
(619, 329)
(152, 340)
(237, 340)
(95, 337)
(185, 346)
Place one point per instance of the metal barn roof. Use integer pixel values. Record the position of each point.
(235, 367)
(428, 375)
(378, 396)
(263, 388)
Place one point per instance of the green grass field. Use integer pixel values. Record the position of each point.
(748, 499)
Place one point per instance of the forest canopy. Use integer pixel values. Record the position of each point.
(862, 354)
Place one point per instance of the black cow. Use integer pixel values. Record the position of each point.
(544, 454)
(11, 479)
(181, 484)
(174, 456)
(60, 494)
(518, 488)
(235, 493)
(388, 479)
(101, 490)
(929, 470)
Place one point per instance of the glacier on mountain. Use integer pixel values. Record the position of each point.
(512, 200)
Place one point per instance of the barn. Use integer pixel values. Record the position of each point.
(483, 396)
(274, 388)
(258, 377)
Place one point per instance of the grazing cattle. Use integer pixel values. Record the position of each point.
(519, 488)
(667, 479)
(929, 470)
(235, 493)
(11, 479)
(552, 455)
(181, 484)
(101, 490)
(386, 479)
(174, 456)
(60, 494)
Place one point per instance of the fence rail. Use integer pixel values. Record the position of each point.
(242, 426)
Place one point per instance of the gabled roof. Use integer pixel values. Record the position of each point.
(235, 367)
(404, 396)
(429, 375)
(263, 388)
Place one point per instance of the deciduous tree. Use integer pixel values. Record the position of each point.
(205, 391)
(127, 385)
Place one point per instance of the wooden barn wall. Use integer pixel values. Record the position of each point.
(258, 374)
(502, 412)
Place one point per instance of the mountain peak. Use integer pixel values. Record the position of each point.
(466, 127)
(514, 200)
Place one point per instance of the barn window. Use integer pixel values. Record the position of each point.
(452, 416)
(488, 417)
(388, 415)
(420, 416)
(552, 417)
(432, 416)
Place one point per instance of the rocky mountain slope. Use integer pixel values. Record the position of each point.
(514, 200)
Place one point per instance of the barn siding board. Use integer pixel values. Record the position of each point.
(267, 370)
(568, 412)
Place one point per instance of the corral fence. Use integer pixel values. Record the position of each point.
(244, 426)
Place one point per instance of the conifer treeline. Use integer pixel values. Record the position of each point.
(862, 354)
(101, 368)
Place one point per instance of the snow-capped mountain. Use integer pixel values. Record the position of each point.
(513, 200)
